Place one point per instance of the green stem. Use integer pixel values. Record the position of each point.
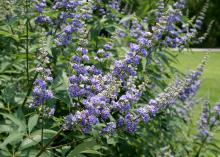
(42, 125)
(27, 42)
(29, 90)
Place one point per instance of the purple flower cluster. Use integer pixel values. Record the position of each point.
(114, 4)
(103, 54)
(72, 19)
(85, 79)
(204, 121)
(187, 97)
(167, 25)
(131, 121)
(99, 92)
(125, 68)
(196, 27)
(39, 7)
(208, 119)
(101, 104)
(69, 21)
(181, 89)
(193, 86)
(148, 110)
(40, 92)
(109, 129)
(84, 119)
(198, 24)
(217, 109)
(102, 107)
(142, 38)
(199, 20)
(49, 111)
(193, 81)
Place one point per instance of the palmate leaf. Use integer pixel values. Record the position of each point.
(6, 128)
(215, 145)
(5, 153)
(1, 103)
(4, 66)
(32, 153)
(30, 141)
(91, 152)
(35, 138)
(21, 124)
(9, 35)
(213, 151)
(12, 138)
(87, 147)
(128, 18)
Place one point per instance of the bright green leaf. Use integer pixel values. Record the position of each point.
(87, 145)
(32, 122)
(12, 138)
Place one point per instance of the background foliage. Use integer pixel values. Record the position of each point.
(212, 14)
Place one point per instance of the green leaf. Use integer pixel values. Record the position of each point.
(35, 138)
(92, 152)
(6, 128)
(32, 122)
(4, 66)
(8, 35)
(65, 79)
(47, 133)
(111, 141)
(12, 138)
(15, 120)
(30, 141)
(127, 18)
(5, 153)
(83, 147)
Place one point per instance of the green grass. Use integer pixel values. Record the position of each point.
(210, 86)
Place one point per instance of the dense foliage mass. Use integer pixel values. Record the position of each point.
(90, 78)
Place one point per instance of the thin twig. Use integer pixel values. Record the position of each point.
(49, 143)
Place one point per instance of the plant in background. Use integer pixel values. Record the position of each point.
(207, 126)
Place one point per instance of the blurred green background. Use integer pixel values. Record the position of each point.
(213, 40)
